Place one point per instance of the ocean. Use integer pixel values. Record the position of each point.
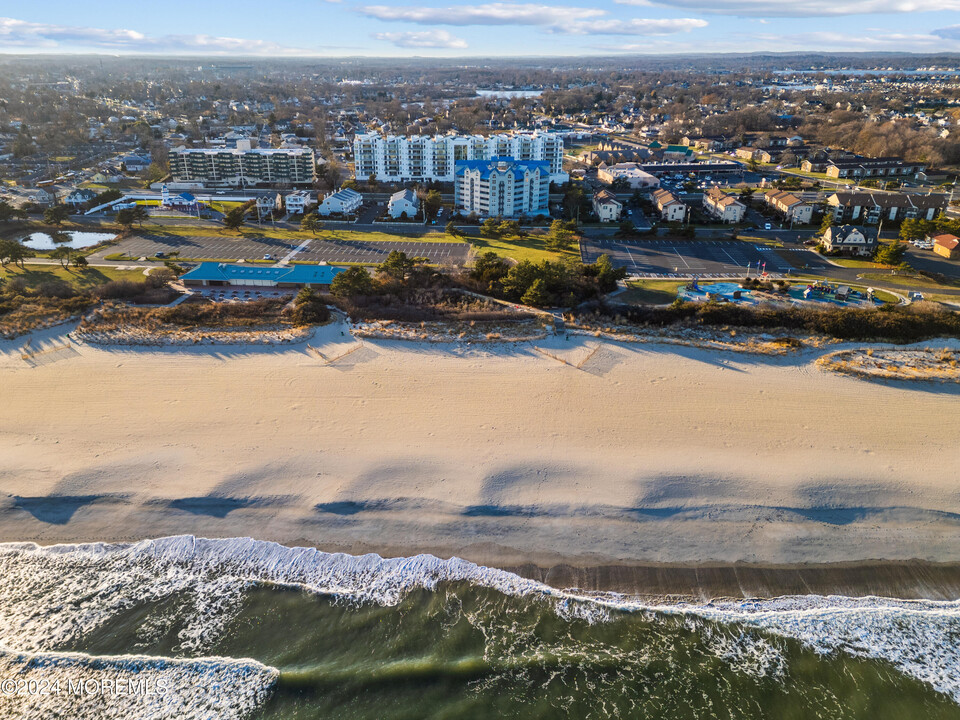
(183, 627)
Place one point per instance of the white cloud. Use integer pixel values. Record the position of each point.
(801, 8)
(488, 14)
(948, 33)
(634, 27)
(45, 36)
(423, 39)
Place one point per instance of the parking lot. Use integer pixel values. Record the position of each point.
(706, 258)
(218, 247)
(356, 251)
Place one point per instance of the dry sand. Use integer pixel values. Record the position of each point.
(499, 454)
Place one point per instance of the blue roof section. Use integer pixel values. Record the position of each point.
(238, 273)
(488, 167)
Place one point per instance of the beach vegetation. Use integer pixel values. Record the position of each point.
(886, 323)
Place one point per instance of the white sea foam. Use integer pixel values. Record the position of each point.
(82, 586)
(130, 687)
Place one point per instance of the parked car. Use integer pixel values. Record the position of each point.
(159, 254)
(268, 256)
(768, 226)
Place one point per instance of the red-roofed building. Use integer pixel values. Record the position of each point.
(947, 245)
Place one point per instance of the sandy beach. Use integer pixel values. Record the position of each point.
(646, 456)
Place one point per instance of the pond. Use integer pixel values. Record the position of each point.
(44, 241)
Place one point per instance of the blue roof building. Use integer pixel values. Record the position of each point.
(502, 187)
(208, 274)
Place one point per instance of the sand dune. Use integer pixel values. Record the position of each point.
(502, 455)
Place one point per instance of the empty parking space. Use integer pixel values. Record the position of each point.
(717, 258)
(356, 251)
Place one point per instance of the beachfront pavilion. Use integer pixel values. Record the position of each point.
(218, 274)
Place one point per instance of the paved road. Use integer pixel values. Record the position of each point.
(706, 258)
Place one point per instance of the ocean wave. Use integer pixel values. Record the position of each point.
(130, 687)
(82, 586)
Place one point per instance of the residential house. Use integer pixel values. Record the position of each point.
(296, 203)
(606, 206)
(39, 196)
(105, 177)
(79, 197)
(791, 208)
(848, 239)
(947, 246)
(403, 203)
(723, 207)
(134, 163)
(671, 209)
(342, 202)
(266, 204)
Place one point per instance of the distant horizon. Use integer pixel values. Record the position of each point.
(437, 28)
(865, 54)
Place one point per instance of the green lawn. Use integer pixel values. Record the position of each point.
(910, 280)
(856, 264)
(35, 275)
(649, 292)
(530, 248)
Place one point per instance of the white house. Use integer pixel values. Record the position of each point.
(266, 204)
(296, 203)
(79, 196)
(403, 202)
(850, 239)
(342, 202)
(606, 206)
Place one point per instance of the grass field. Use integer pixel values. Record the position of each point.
(910, 280)
(649, 292)
(35, 275)
(856, 264)
(530, 248)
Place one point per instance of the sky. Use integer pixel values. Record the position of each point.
(442, 28)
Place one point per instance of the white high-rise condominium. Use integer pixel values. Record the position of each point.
(398, 158)
(502, 187)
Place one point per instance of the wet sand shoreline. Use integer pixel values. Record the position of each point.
(642, 469)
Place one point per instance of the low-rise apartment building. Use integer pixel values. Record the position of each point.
(606, 206)
(861, 168)
(723, 207)
(791, 208)
(671, 209)
(872, 207)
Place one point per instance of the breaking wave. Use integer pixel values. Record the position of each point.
(52, 597)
